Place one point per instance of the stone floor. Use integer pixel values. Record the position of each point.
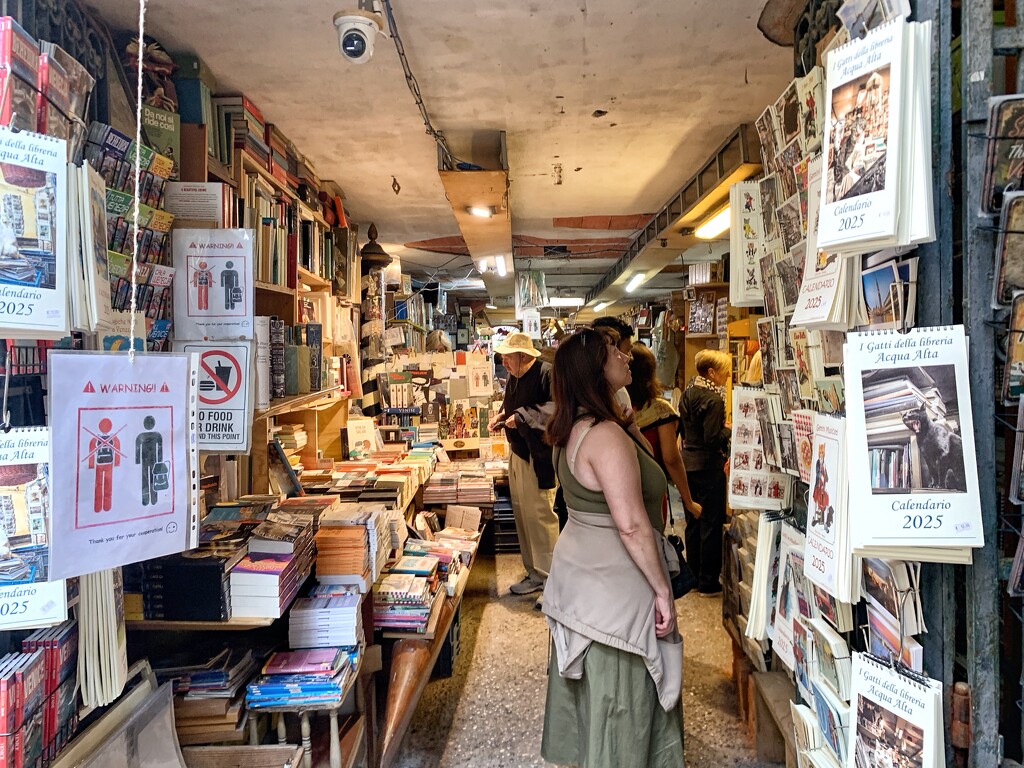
(489, 714)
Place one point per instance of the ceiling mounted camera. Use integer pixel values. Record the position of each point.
(358, 30)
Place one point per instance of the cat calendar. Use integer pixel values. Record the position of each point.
(911, 442)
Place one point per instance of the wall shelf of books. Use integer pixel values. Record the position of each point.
(856, 403)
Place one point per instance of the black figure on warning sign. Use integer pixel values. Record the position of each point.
(202, 279)
(232, 291)
(149, 452)
(104, 455)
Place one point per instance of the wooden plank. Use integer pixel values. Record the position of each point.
(773, 720)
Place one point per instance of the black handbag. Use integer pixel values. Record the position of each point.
(685, 581)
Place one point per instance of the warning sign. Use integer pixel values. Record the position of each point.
(225, 394)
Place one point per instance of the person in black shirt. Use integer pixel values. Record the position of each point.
(705, 447)
(524, 416)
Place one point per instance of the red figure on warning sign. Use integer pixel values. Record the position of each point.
(202, 279)
(104, 455)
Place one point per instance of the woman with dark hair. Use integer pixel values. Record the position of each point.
(615, 675)
(658, 421)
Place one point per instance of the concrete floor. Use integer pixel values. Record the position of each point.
(489, 714)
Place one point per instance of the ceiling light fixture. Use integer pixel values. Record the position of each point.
(499, 265)
(634, 282)
(490, 305)
(482, 266)
(714, 226)
(483, 211)
(601, 306)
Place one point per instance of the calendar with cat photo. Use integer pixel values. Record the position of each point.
(911, 441)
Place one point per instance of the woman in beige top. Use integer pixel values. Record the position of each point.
(615, 675)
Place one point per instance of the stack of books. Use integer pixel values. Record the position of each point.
(22, 690)
(282, 533)
(374, 544)
(296, 678)
(324, 622)
(442, 488)
(262, 586)
(475, 488)
(207, 701)
(402, 601)
(291, 436)
(59, 645)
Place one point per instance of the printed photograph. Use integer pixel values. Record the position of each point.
(789, 388)
(825, 476)
(766, 341)
(1013, 371)
(24, 512)
(765, 125)
(788, 156)
(787, 448)
(770, 199)
(831, 395)
(832, 728)
(884, 639)
(791, 226)
(768, 282)
(826, 661)
(859, 16)
(882, 309)
(787, 108)
(790, 270)
(885, 740)
(769, 444)
(826, 605)
(28, 227)
(860, 136)
(922, 451)
(880, 587)
(1010, 251)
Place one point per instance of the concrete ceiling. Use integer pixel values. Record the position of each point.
(607, 106)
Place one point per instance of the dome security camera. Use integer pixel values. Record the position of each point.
(357, 31)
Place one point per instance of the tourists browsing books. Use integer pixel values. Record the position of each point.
(608, 589)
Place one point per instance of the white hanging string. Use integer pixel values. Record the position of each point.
(138, 178)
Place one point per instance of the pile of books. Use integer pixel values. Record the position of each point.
(59, 646)
(402, 601)
(295, 678)
(263, 586)
(442, 488)
(22, 690)
(475, 488)
(207, 701)
(291, 436)
(282, 533)
(331, 620)
(353, 540)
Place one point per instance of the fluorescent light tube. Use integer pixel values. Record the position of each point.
(714, 226)
(634, 282)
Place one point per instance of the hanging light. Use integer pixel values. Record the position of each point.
(714, 226)
(499, 264)
(634, 282)
(482, 266)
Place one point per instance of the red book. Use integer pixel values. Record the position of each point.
(316, 661)
(18, 50)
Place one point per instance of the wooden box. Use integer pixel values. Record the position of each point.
(265, 756)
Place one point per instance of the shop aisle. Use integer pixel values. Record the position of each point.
(490, 713)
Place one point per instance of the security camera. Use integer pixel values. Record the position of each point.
(357, 31)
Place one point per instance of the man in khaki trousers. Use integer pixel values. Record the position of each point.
(524, 415)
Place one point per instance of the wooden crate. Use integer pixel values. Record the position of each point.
(265, 756)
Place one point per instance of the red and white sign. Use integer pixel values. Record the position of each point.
(213, 286)
(121, 425)
(225, 392)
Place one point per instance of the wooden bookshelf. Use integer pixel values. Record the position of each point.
(297, 402)
(272, 288)
(313, 281)
(196, 163)
(231, 625)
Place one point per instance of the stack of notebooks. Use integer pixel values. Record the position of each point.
(296, 678)
(324, 622)
(262, 586)
(402, 601)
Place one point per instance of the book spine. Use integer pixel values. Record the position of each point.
(262, 333)
(277, 358)
(314, 338)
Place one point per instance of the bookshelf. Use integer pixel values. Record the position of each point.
(196, 162)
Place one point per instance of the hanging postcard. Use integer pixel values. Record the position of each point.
(213, 295)
(130, 426)
(33, 236)
(26, 599)
(746, 243)
(826, 552)
(911, 440)
(225, 394)
(93, 214)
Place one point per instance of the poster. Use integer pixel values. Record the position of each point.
(127, 426)
(225, 394)
(213, 295)
(531, 323)
(27, 600)
(33, 236)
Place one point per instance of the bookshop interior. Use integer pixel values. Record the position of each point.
(507, 379)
